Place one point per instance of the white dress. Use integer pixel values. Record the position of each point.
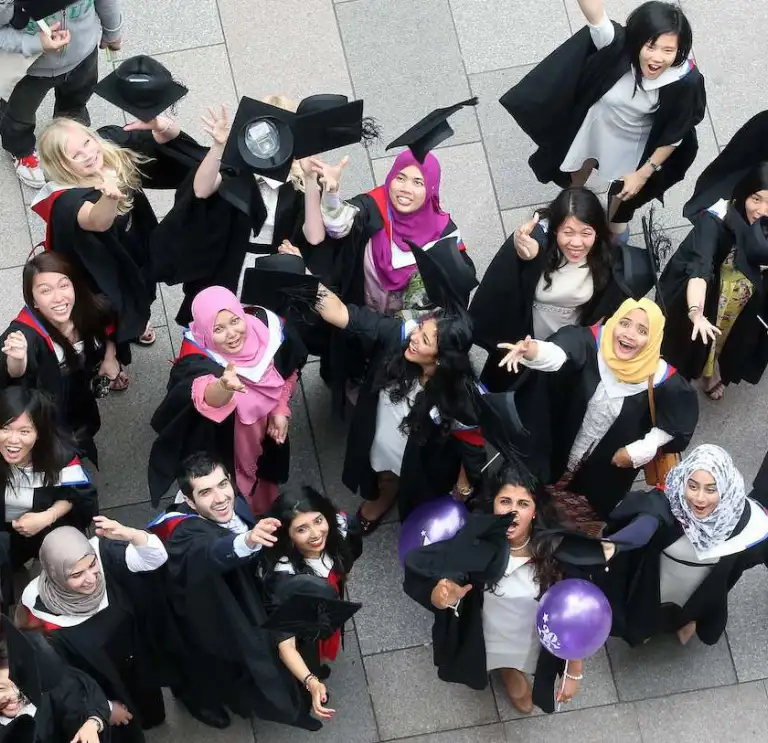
(389, 441)
(616, 128)
(509, 619)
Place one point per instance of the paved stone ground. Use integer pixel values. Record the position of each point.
(406, 57)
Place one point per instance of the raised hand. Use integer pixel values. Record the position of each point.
(216, 124)
(109, 187)
(329, 175)
(447, 593)
(703, 328)
(525, 246)
(111, 529)
(288, 248)
(525, 349)
(230, 381)
(319, 695)
(15, 346)
(264, 532)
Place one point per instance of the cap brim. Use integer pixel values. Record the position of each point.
(278, 290)
(329, 129)
(107, 89)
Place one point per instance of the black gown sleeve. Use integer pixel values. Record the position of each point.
(577, 342)
(85, 503)
(34, 341)
(372, 329)
(677, 411)
(75, 699)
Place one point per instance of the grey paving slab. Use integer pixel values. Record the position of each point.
(597, 689)
(404, 61)
(508, 147)
(354, 721)
(486, 734)
(126, 436)
(180, 726)
(747, 632)
(598, 725)
(494, 34)
(156, 26)
(305, 469)
(389, 620)
(437, 706)
(738, 714)
(727, 39)
(11, 298)
(663, 666)
(466, 191)
(273, 47)
(16, 241)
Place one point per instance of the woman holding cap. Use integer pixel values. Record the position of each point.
(229, 392)
(682, 548)
(558, 269)
(597, 430)
(94, 205)
(714, 286)
(626, 99)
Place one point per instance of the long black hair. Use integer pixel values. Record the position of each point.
(649, 21)
(53, 449)
(755, 180)
(286, 508)
(583, 204)
(543, 542)
(451, 389)
(91, 313)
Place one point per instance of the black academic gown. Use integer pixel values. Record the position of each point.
(124, 647)
(551, 102)
(502, 307)
(76, 406)
(565, 394)
(479, 554)
(68, 697)
(218, 607)
(632, 585)
(117, 262)
(716, 232)
(275, 585)
(429, 470)
(181, 430)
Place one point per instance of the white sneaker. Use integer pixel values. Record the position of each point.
(29, 171)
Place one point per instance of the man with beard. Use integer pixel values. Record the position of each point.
(213, 543)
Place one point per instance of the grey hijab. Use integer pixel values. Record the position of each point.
(61, 550)
(719, 525)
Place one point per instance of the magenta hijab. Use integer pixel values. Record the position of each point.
(260, 398)
(420, 227)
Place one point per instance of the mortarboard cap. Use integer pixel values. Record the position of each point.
(279, 282)
(142, 86)
(501, 425)
(309, 607)
(320, 102)
(266, 139)
(22, 662)
(430, 131)
(448, 279)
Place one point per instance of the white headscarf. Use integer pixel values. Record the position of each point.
(719, 525)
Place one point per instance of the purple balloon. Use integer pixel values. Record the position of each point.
(433, 521)
(574, 619)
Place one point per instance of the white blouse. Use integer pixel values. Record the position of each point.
(561, 303)
(20, 492)
(389, 441)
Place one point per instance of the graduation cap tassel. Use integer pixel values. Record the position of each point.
(490, 462)
(659, 248)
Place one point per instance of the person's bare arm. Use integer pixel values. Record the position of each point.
(331, 308)
(593, 10)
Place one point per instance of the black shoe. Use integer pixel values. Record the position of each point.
(213, 717)
(323, 672)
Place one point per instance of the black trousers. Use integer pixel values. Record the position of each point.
(72, 92)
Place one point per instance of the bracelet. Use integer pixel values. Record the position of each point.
(692, 309)
(307, 679)
(580, 677)
(655, 168)
(99, 723)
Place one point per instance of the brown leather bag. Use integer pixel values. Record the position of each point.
(656, 470)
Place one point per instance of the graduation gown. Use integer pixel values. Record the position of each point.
(76, 406)
(218, 608)
(429, 470)
(552, 408)
(117, 262)
(632, 586)
(551, 102)
(123, 647)
(181, 430)
(68, 696)
(502, 307)
(478, 554)
(716, 232)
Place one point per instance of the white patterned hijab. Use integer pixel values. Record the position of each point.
(719, 525)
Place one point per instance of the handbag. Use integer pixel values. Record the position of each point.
(656, 470)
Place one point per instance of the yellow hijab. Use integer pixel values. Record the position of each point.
(639, 368)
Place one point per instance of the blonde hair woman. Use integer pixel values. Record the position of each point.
(95, 209)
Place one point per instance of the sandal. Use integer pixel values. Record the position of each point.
(367, 526)
(148, 338)
(120, 383)
(712, 392)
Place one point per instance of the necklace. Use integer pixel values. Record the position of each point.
(521, 547)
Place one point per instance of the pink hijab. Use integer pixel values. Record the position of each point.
(260, 398)
(420, 227)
